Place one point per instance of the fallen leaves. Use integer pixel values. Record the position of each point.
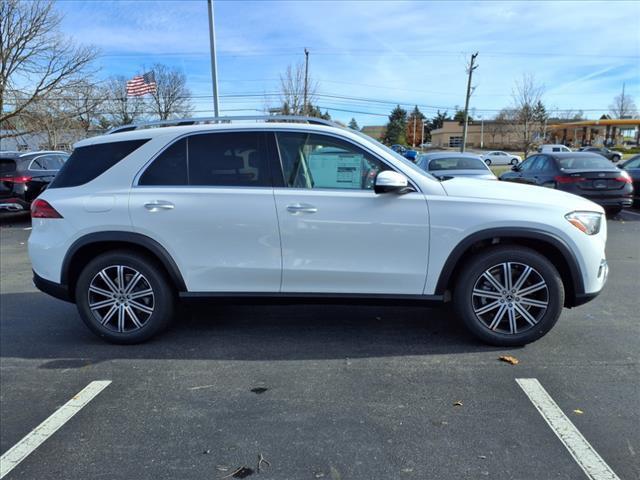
(578, 411)
(509, 359)
(259, 390)
(457, 403)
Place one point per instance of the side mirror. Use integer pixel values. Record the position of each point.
(390, 181)
(515, 168)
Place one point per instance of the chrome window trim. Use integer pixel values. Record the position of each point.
(274, 131)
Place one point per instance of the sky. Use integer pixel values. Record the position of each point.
(376, 54)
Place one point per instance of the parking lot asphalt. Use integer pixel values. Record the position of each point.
(334, 392)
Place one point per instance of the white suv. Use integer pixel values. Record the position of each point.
(298, 208)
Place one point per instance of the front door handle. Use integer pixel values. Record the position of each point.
(301, 208)
(158, 205)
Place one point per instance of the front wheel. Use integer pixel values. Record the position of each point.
(124, 297)
(509, 295)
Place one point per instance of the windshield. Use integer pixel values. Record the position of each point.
(456, 163)
(572, 163)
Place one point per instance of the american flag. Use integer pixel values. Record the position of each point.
(141, 84)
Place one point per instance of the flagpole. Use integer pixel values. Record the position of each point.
(214, 63)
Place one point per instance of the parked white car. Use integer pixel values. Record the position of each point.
(551, 148)
(137, 220)
(498, 157)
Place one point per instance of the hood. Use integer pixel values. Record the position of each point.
(516, 193)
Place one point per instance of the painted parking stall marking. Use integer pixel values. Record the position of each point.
(38, 435)
(580, 449)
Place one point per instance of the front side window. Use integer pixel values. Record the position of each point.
(528, 164)
(319, 161)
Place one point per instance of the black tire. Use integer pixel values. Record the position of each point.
(612, 211)
(616, 158)
(471, 276)
(488, 162)
(161, 301)
(514, 161)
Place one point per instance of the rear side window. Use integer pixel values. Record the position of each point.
(228, 159)
(233, 159)
(87, 163)
(169, 168)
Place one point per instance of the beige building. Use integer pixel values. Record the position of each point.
(480, 134)
(499, 135)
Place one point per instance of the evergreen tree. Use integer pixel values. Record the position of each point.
(396, 128)
(353, 125)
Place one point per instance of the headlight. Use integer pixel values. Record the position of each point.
(587, 222)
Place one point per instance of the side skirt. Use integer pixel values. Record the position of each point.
(312, 298)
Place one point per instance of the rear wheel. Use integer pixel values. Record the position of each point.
(124, 297)
(509, 296)
(514, 161)
(488, 162)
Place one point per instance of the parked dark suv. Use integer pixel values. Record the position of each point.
(605, 152)
(586, 174)
(23, 176)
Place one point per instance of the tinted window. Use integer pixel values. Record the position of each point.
(7, 166)
(528, 163)
(319, 161)
(633, 163)
(570, 163)
(169, 168)
(87, 163)
(228, 159)
(544, 164)
(459, 163)
(47, 162)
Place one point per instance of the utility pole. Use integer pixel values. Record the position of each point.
(306, 81)
(470, 69)
(214, 62)
(415, 126)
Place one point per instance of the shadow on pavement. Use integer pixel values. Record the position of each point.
(34, 325)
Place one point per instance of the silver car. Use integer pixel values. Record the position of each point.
(452, 164)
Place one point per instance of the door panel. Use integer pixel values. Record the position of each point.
(354, 241)
(222, 239)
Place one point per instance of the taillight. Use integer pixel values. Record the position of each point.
(42, 209)
(18, 179)
(624, 177)
(565, 179)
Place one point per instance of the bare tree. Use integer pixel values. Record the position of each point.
(172, 97)
(120, 109)
(36, 62)
(83, 102)
(526, 95)
(292, 91)
(623, 106)
(500, 126)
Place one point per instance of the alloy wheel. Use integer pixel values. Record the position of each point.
(510, 298)
(121, 298)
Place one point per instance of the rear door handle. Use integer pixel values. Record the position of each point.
(301, 208)
(158, 205)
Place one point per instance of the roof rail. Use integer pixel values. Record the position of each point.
(193, 121)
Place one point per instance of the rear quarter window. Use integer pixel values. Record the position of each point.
(87, 163)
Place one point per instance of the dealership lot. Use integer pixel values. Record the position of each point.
(330, 392)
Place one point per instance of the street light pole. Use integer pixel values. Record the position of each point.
(214, 63)
(306, 81)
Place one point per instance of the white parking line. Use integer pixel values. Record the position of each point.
(38, 435)
(580, 449)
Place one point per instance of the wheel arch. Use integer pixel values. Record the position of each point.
(86, 247)
(551, 246)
